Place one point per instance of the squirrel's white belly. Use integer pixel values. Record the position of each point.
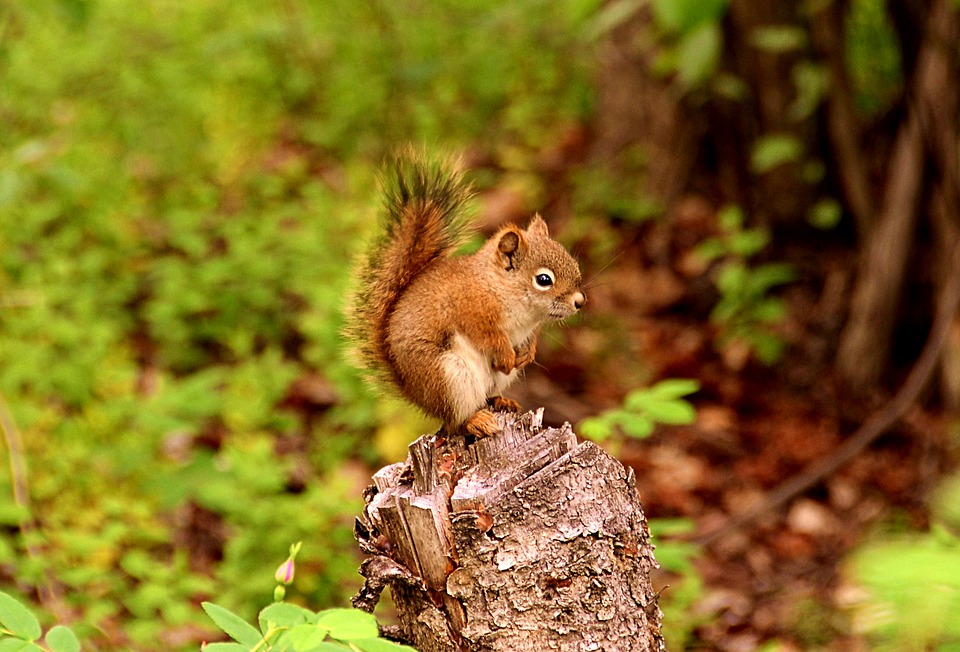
(471, 378)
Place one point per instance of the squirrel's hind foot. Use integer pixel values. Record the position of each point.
(503, 404)
(482, 424)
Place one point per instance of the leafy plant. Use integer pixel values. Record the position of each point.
(694, 38)
(913, 591)
(873, 56)
(642, 410)
(773, 150)
(180, 193)
(690, 34)
(289, 628)
(746, 314)
(282, 626)
(911, 582)
(676, 559)
(21, 630)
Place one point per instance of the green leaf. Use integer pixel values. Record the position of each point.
(773, 150)
(767, 348)
(235, 627)
(595, 428)
(675, 556)
(749, 243)
(769, 311)
(16, 619)
(682, 16)
(638, 427)
(348, 624)
(15, 645)
(636, 401)
(674, 388)
(665, 527)
(732, 278)
(380, 645)
(730, 218)
(282, 614)
(711, 249)
(778, 38)
(675, 413)
(698, 54)
(62, 639)
(763, 277)
(730, 87)
(225, 647)
(811, 81)
(305, 636)
(825, 214)
(611, 16)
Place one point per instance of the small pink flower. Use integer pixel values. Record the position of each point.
(285, 572)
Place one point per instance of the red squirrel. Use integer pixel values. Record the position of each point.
(452, 332)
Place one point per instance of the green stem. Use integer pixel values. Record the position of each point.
(270, 633)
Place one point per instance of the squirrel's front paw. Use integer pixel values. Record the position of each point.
(503, 404)
(504, 361)
(482, 424)
(525, 354)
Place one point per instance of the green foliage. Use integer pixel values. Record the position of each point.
(825, 214)
(182, 189)
(778, 38)
(690, 34)
(603, 194)
(21, 630)
(282, 627)
(685, 16)
(677, 599)
(289, 628)
(693, 38)
(913, 584)
(642, 409)
(746, 315)
(774, 150)
(873, 57)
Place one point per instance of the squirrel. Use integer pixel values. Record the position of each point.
(451, 332)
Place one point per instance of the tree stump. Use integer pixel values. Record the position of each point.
(527, 540)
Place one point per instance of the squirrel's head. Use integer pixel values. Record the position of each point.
(545, 275)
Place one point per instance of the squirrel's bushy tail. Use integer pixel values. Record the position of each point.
(421, 220)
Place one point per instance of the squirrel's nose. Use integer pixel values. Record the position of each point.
(578, 300)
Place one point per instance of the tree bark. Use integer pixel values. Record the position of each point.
(527, 540)
(946, 227)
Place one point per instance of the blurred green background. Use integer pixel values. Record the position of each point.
(184, 187)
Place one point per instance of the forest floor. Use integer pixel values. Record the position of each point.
(781, 577)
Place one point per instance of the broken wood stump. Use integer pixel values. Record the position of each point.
(527, 540)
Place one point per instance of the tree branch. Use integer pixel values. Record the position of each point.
(873, 427)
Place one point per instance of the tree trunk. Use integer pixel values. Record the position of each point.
(865, 342)
(527, 540)
(640, 115)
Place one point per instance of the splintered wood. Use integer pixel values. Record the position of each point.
(527, 540)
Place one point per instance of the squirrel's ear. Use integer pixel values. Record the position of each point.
(538, 227)
(511, 247)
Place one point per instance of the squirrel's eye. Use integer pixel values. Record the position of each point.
(543, 279)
